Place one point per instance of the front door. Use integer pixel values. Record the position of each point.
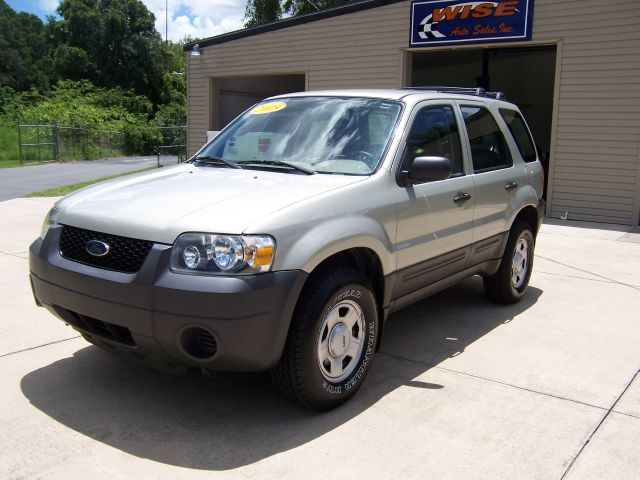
(435, 219)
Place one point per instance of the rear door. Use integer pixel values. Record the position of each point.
(525, 147)
(435, 219)
(497, 177)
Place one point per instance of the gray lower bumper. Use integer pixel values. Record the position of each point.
(146, 314)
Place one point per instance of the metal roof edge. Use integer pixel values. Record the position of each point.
(290, 22)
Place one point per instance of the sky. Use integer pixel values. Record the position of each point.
(197, 18)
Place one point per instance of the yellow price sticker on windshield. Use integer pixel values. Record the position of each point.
(268, 108)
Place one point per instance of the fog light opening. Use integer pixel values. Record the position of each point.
(198, 343)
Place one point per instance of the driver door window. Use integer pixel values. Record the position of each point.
(434, 133)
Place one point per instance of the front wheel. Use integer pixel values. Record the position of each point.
(331, 341)
(509, 283)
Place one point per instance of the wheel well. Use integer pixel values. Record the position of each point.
(364, 260)
(530, 216)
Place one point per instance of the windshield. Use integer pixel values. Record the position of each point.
(315, 134)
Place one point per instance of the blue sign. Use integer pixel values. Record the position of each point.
(435, 23)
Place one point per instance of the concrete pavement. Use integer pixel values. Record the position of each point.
(19, 181)
(462, 388)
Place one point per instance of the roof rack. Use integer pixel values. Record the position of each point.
(478, 91)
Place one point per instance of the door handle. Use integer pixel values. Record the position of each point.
(462, 197)
(510, 186)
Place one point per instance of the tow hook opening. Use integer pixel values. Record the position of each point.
(207, 372)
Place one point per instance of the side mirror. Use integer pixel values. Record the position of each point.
(427, 169)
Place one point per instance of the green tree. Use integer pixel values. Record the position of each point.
(109, 42)
(259, 12)
(299, 7)
(174, 83)
(24, 61)
(9, 100)
(173, 107)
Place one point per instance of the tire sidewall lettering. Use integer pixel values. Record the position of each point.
(366, 357)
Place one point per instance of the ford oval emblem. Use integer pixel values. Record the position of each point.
(97, 248)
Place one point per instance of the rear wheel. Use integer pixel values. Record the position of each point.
(510, 282)
(331, 341)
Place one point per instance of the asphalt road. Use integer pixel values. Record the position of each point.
(19, 181)
(461, 388)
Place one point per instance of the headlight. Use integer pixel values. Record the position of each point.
(49, 221)
(222, 254)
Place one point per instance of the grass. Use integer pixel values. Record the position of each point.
(64, 190)
(9, 156)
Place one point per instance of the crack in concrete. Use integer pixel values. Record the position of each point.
(491, 380)
(626, 414)
(17, 255)
(635, 287)
(38, 346)
(595, 430)
(576, 277)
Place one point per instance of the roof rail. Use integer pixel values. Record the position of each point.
(477, 91)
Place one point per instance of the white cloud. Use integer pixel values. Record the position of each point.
(197, 18)
(49, 5)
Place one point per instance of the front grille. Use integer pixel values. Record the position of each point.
(125, 254)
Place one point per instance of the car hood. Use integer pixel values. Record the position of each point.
(161, 205)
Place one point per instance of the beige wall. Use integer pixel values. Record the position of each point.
(595, 173)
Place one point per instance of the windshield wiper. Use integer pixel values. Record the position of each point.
(211, 159)
(299, 168)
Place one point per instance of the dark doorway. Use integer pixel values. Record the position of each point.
(526, 75)
(233, 95)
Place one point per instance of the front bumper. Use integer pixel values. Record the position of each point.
(153, 314)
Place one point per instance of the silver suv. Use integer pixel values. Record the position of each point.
(288, 239)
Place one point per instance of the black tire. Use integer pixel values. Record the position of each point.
(301, 374)
(509, 284)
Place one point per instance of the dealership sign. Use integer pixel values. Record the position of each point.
(436, 23)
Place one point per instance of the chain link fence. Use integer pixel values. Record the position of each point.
(49, 142)
(37, 143)
(172, 144)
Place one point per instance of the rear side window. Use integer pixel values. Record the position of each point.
(489, 149)
(434, 133)
(520, 133)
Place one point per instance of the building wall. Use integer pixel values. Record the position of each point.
(596, 163)
(595, 151)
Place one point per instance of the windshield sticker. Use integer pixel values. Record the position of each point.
(268, 108)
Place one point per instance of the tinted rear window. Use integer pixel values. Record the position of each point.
(520, 134)
(489, 150)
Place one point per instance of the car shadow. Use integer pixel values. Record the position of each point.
(233, 420)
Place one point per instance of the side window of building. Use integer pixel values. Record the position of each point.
(434, 133)
(489, 149)
(520, 134)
